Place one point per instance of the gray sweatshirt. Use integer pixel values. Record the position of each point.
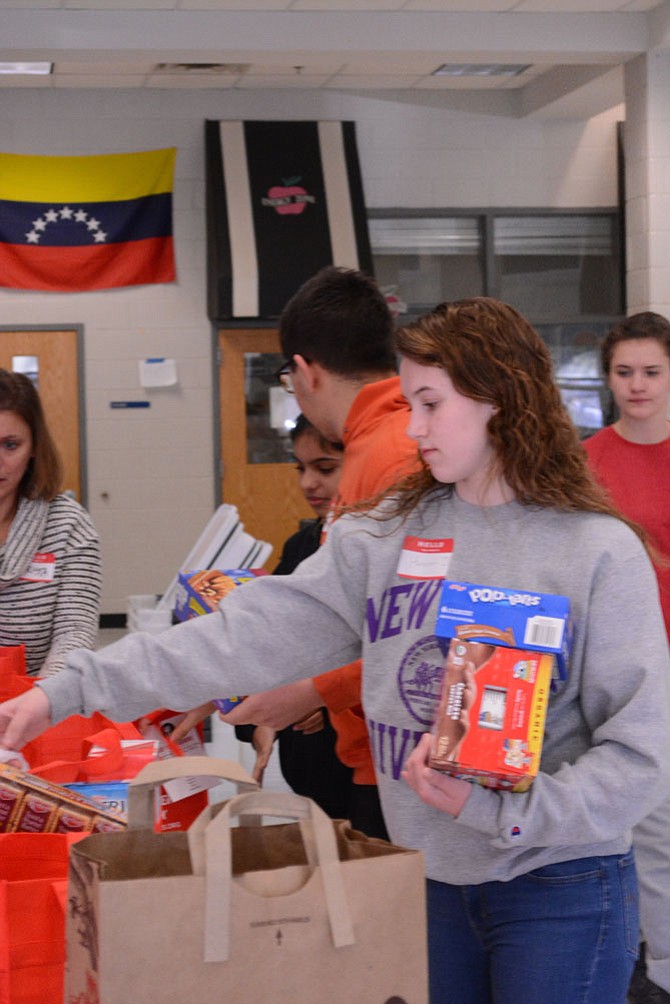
(606, 754)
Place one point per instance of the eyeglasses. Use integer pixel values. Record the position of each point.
(284, 375)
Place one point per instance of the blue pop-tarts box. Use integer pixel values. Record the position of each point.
(513, 618)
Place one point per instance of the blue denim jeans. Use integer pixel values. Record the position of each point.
(563, 934)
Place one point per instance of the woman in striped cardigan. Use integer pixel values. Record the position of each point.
(50, 575)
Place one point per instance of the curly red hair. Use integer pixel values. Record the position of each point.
(494, 355)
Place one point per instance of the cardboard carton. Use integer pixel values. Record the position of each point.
(491, 715)
(514, 618)
(504, 646)
(201, 592)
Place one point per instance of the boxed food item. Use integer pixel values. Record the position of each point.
(504, 648)
(30, 804)
(490, 720)
(200, 593)
(112, 796)
(515, 618)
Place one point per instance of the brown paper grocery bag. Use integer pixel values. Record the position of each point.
(308, 910)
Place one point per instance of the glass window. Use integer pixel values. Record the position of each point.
(423, 260)
(558, 266)
(271, 412)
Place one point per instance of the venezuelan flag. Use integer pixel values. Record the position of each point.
(70, 224)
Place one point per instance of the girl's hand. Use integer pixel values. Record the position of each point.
(23, 718)
(443, 792)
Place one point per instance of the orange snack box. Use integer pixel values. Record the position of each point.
(490, 720)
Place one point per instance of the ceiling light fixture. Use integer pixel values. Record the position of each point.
(480, 69)
(41, 68)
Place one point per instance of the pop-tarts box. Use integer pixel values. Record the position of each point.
(200, 592)
(513, 618)
(490, 719)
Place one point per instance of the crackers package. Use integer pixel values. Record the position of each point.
(30, 804)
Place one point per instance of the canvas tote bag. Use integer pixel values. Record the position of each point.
(301, 910)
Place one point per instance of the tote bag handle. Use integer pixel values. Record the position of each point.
(218, 854)
(141, 788)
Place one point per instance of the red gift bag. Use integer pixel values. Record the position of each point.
(62, 742)
(33, 894)
(174, 816)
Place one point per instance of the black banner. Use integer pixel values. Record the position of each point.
(283, 200)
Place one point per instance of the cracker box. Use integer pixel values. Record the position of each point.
(514, 618)
(490, 720)
(201, 592)
(30, 804)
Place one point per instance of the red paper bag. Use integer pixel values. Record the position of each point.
(173, 815)
(33, 893)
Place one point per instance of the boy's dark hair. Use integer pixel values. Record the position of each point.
(340, 319)
(303, 425)
(646, 324)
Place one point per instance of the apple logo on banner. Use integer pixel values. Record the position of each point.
(289, 198)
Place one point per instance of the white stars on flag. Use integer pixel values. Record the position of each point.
(68, 215)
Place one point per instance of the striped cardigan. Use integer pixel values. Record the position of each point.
(50, 582)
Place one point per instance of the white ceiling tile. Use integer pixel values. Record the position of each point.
(195, 82)
(462, 6)
(223, 5)
(354, 5)
(372, 82)
(280, 82)
(117, 5)
(94, 80)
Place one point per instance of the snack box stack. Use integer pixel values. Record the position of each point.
(30, 804)
(505, 648)
(201, 592)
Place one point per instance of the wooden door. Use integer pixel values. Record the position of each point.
(56, 352)
(266, 492)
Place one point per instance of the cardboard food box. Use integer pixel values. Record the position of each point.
(514, 618)
(201, 592)
(504, 647)
(491, 715)
(30, 804)
(112, 796)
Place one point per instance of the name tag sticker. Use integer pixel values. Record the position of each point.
(41, 569)
(425, 559)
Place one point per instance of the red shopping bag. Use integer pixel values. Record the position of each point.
(13, 679)
(63, 741)
(13, 659)
(33, 894)
(112, 760)
(174, 815)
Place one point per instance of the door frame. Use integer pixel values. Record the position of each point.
(81, 396)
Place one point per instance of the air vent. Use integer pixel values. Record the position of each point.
(481, 69)
(226, 69)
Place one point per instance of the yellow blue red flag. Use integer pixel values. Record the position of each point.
(69, 224)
